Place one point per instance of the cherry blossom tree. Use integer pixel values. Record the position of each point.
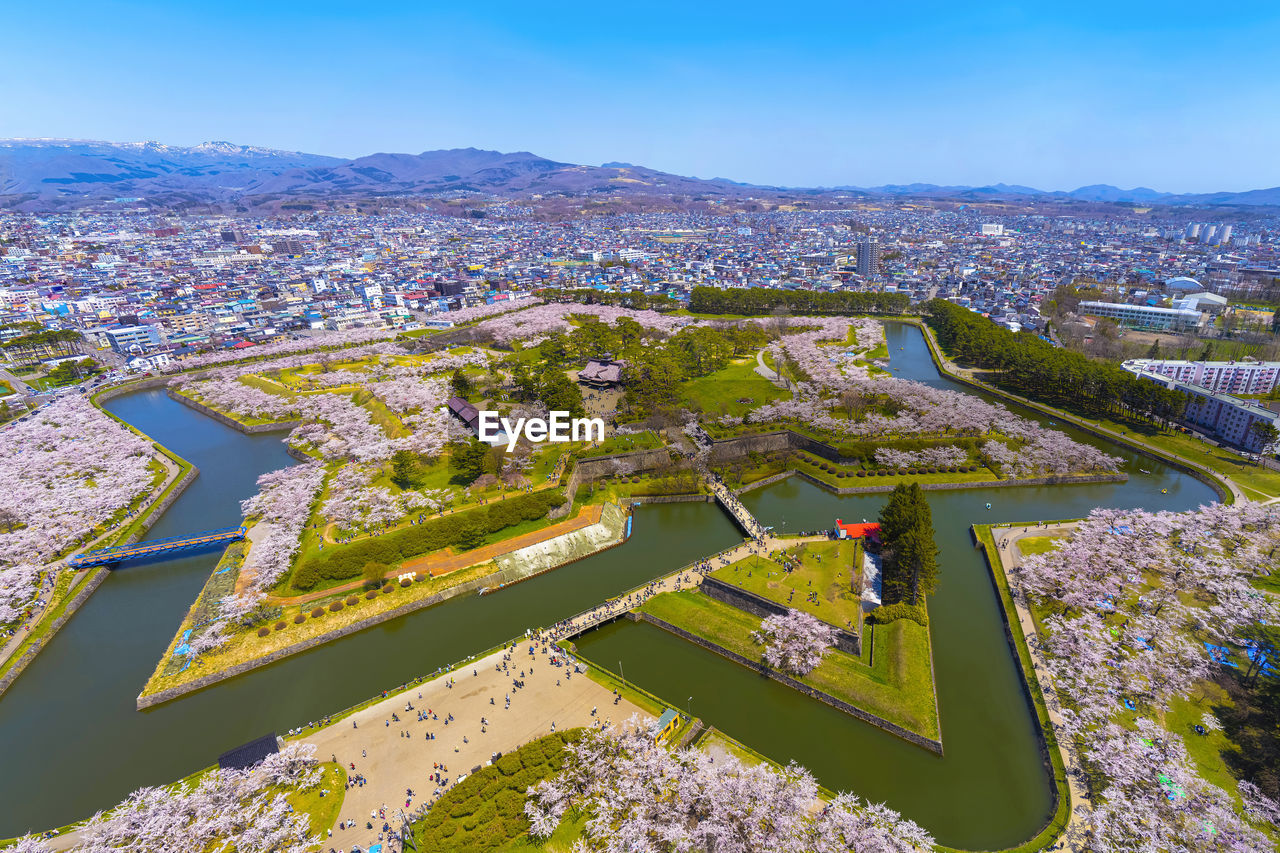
(641, 796)
(63, 472)
(794, 642)
(228, 810)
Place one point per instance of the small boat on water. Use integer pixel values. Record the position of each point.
(988, 506)
(1144, 471)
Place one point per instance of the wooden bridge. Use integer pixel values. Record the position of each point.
(156, 547)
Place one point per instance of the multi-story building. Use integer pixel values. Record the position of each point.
(1144, 316)
(1227, 418)
(127, 338)
(1227, 377)
(868, 257)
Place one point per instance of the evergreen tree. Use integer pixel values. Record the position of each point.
(404, 469)
(460, 383)
(466, 461)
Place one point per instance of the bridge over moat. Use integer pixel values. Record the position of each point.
(156, 547)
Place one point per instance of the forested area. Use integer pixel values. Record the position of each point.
(751, 301)
(1032, 366)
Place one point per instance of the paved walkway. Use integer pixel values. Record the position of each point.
(768, 372)
(686, 578)
(1007, 539)
(396, 755)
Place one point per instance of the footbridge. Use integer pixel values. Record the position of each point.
(156, 547)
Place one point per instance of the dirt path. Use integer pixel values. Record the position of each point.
(445, 561)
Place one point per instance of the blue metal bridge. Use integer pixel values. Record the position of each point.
(156, 547)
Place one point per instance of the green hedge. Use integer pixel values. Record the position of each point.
(486, 811)
(465, 530)
(886, 613)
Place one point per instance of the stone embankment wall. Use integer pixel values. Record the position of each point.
(668, 499)
(72, 606)
(248, 429)
(758, 605)
(1027, 687)
(130, 387)
(595, 467)
(1071, 479)
(567, 547)
(515, 571)
(921, 741)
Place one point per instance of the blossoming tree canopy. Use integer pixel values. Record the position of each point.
(1148, 604)
(794, 642)
(641, 796)
(63, 472)
(240, 810)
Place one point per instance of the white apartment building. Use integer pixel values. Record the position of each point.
(1228, 418)
(1225, 377)
(1144, 316)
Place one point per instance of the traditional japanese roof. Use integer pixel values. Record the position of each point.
(466, 412)
(601, 370)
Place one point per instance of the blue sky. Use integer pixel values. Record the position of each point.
(1183, 97)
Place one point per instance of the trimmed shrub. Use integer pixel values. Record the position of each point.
(861, 473)
(388, 588)
(264, 631)
(353, 599)
(886, 613)
(335, 606)
(280, 626)
(340, 562)
(319, 611)
(300, 618)
(406, 581)
(371, 594)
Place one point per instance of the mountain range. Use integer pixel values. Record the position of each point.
(43, 173)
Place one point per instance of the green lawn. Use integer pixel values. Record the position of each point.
(1037, 544)
(897, 686)
(720, 392)
(1248, 475)
(646, 440)
(824, 569)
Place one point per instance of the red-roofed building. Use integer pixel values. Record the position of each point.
(852, 530)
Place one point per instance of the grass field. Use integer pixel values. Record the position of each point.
(1037, 544)
(1261, 483)
(897, 686)
(645, 440)
(719, 393)
(831, 569)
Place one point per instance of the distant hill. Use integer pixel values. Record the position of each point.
(43, 173)
(35, 172)
(1093, 192)
(52, 168)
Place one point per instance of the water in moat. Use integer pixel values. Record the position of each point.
(72, 742)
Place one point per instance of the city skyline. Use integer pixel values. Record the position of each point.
(1141, 96)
